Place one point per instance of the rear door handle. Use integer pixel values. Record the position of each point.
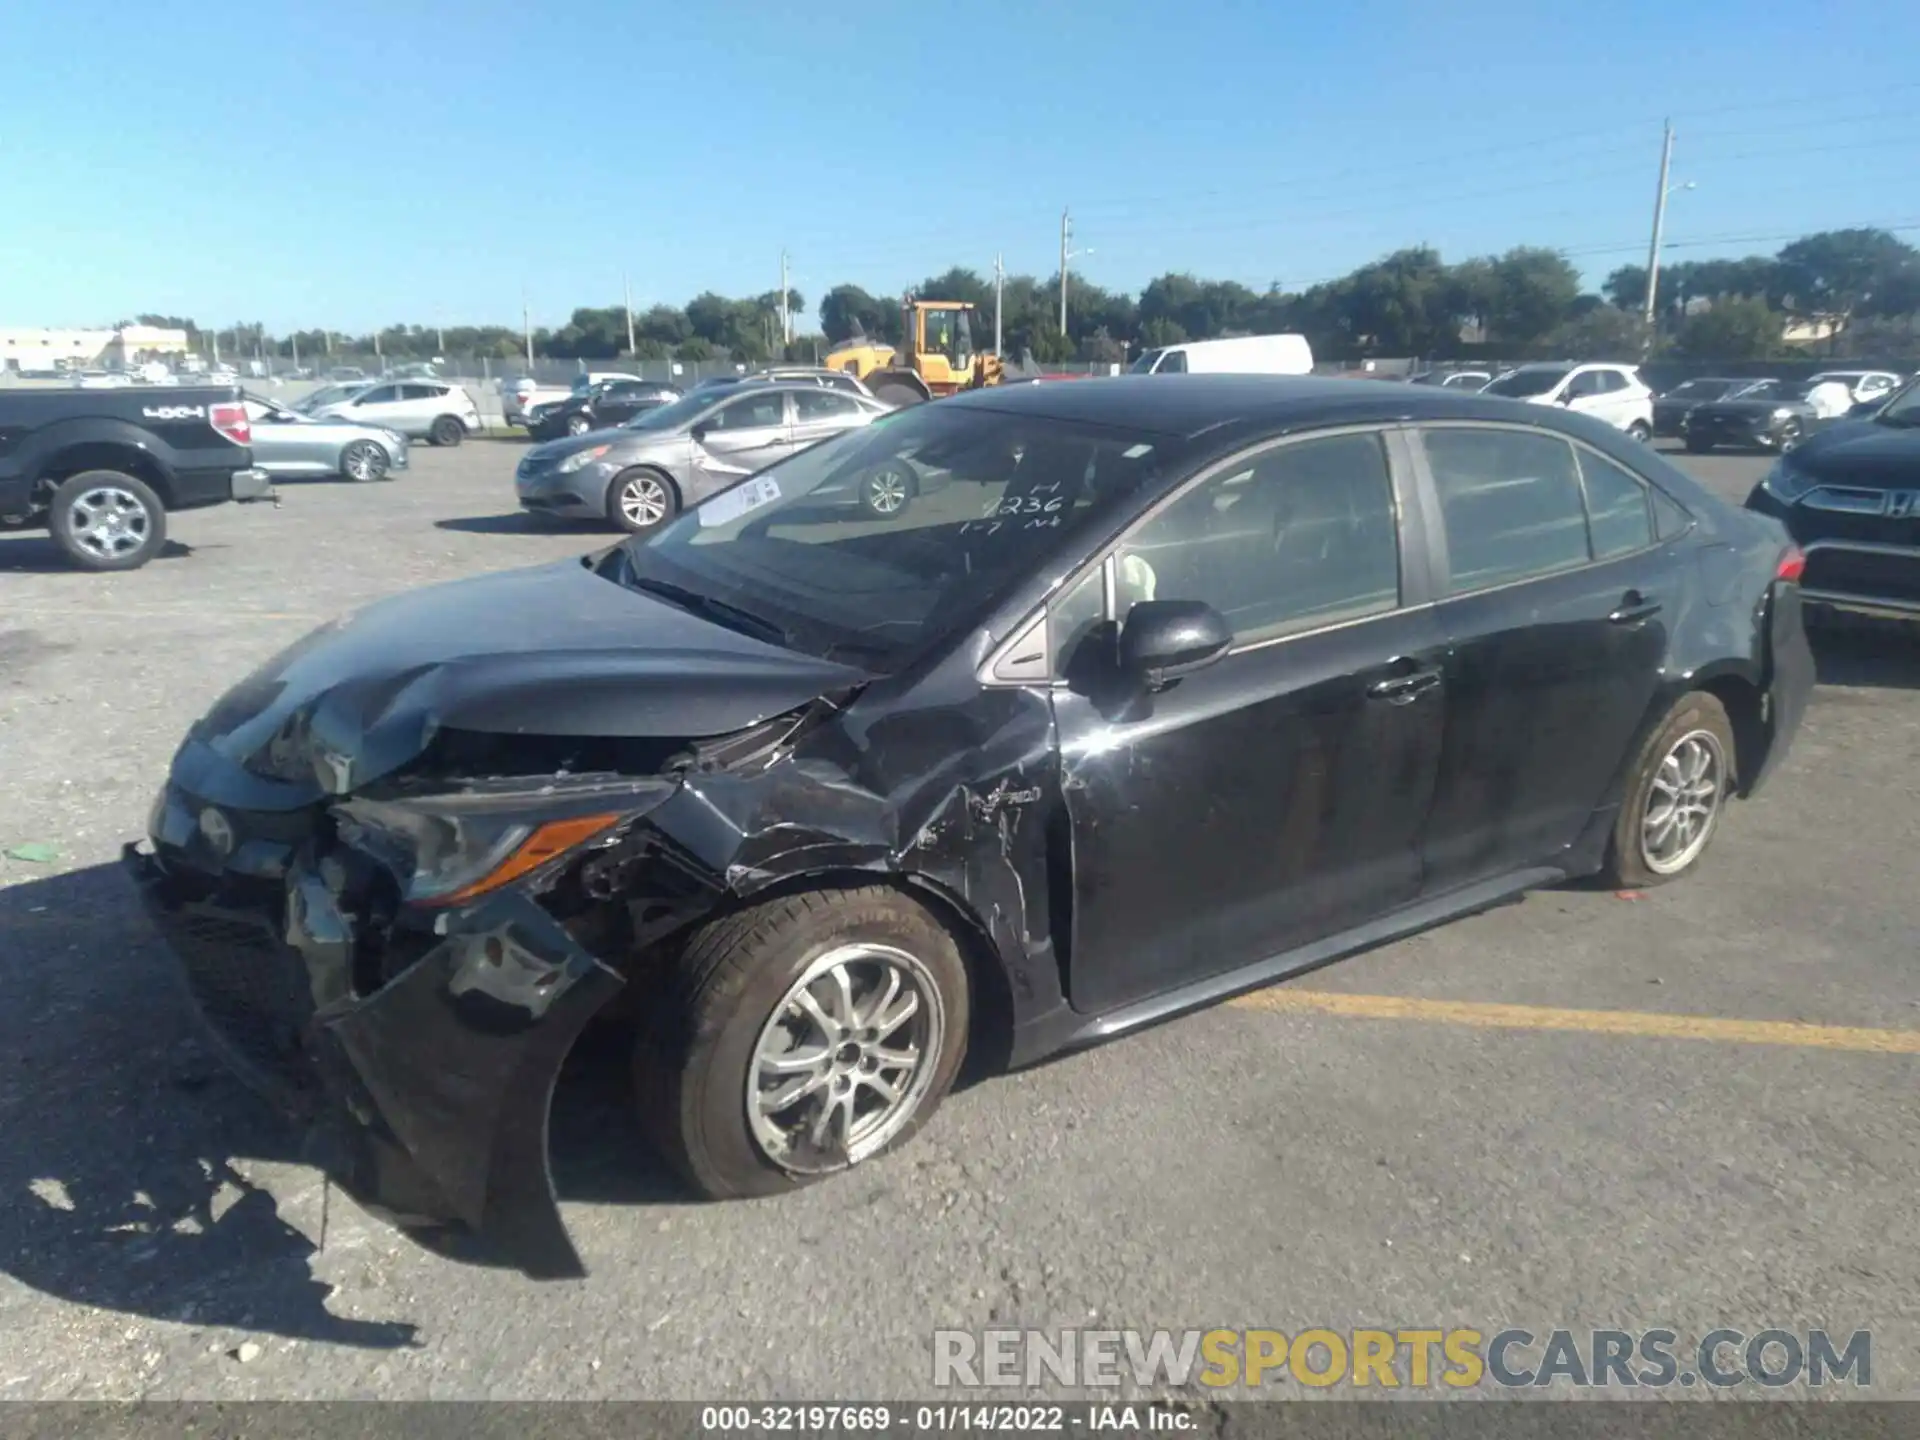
(1404, 689)
(1634, 607)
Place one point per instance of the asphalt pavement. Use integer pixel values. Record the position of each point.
(1377, 1144)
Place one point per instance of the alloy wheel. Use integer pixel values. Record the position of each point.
(887, 493)
(846, 1058)
(1683, 802)
(577, 425)
(643, 501)
(109, 522)
(365, 461)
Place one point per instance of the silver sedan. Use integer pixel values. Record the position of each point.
(290, 445)
(645, 472)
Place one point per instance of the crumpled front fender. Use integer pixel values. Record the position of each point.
(443, 1081)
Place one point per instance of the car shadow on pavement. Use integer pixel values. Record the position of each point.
(519, 523)
(35, 553)
(121, 1184)
(1857, 653)
(122, 1173)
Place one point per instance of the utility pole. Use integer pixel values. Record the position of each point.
(999, 290)
(626, 292)
(1066, 234)
(526, 326)
(295, 338)
(786, 316)
(1659, 224)
(439, 340)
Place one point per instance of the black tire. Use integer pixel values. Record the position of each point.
(1627, 865)
(1698, 447)
(447, 430)
(888, 493)
(1641, 431)
(695, 1054)
(897, 394)
(627, 494)
(1790, 436)
(364, 462)
(578, 425)
(109, 544)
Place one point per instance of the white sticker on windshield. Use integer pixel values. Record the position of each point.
(742, 499)
(1134, 452)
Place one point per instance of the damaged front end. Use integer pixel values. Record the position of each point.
(404, 970)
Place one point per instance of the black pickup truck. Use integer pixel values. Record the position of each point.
(100, 469)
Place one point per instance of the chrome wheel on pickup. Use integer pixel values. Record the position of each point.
(107, 520)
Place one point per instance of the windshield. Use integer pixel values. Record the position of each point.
(1774, 390)
(678, 412)
(1530, 380)
(993, 497)
(330, 395)
(1144, 365)
(1705, 389)
(1903, 409)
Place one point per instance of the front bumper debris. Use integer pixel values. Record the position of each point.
(427, 1099)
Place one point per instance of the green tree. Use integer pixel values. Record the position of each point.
(1835, 272)
(1736, 328)
(847, 310)
(1598, 331)
(1533, 289)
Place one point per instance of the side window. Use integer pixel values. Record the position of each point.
(421, 392)
(1587, 382)
(1074, 615)
(1618, 518)
(1669, 519)
(378, 395)
(1174, 362)
(1510, 501)
(753, 412)
(817, 405)
(1610, 381)
(1297, 537)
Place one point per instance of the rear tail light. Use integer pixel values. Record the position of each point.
(1792, 566)
(230, 419)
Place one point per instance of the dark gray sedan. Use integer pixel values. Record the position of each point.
(645, 472)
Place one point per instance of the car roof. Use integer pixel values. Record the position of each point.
(1192, 405)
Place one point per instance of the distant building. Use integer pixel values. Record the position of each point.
(42, 351)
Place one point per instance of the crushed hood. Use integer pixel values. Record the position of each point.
(554, 650)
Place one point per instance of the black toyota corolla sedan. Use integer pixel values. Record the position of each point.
(1850, 497)
(1170, 689)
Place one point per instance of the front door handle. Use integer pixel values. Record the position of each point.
(1404, 689)
(1634, 607)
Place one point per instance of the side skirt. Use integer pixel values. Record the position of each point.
(1064, 1030)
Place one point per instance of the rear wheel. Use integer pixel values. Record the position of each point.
(805, 1035)
(447, 430)
(1640, 431)
(578, 424)
(1680, 786)
(364, 461)
(886, 493)
(107, 520)
(1790, 436)
(641, 501)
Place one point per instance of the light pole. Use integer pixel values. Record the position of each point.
(1659, 230)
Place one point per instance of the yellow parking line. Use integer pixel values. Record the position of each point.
(1597, 1022)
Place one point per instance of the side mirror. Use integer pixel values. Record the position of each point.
(701, 431)
(1162, 640)
(1567, 397)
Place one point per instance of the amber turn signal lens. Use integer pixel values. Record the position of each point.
(548, 842)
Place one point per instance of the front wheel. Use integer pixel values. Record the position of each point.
(363, 461)
(107, 520)
(1790, 436)
(447, 430)
(641, 501)
(1698, 447)
(1680, 785)
(886, 493)
(806, 1034)
(1640, 431)
(578, 425)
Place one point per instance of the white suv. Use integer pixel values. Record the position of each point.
(421, 409)
(1614, 393)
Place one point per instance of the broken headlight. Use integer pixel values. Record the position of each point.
(449, 849)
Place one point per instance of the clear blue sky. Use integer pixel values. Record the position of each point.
(347, 163)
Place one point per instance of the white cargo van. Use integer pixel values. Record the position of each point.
(1242, 355)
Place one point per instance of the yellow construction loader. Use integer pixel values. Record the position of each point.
(938, 358)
